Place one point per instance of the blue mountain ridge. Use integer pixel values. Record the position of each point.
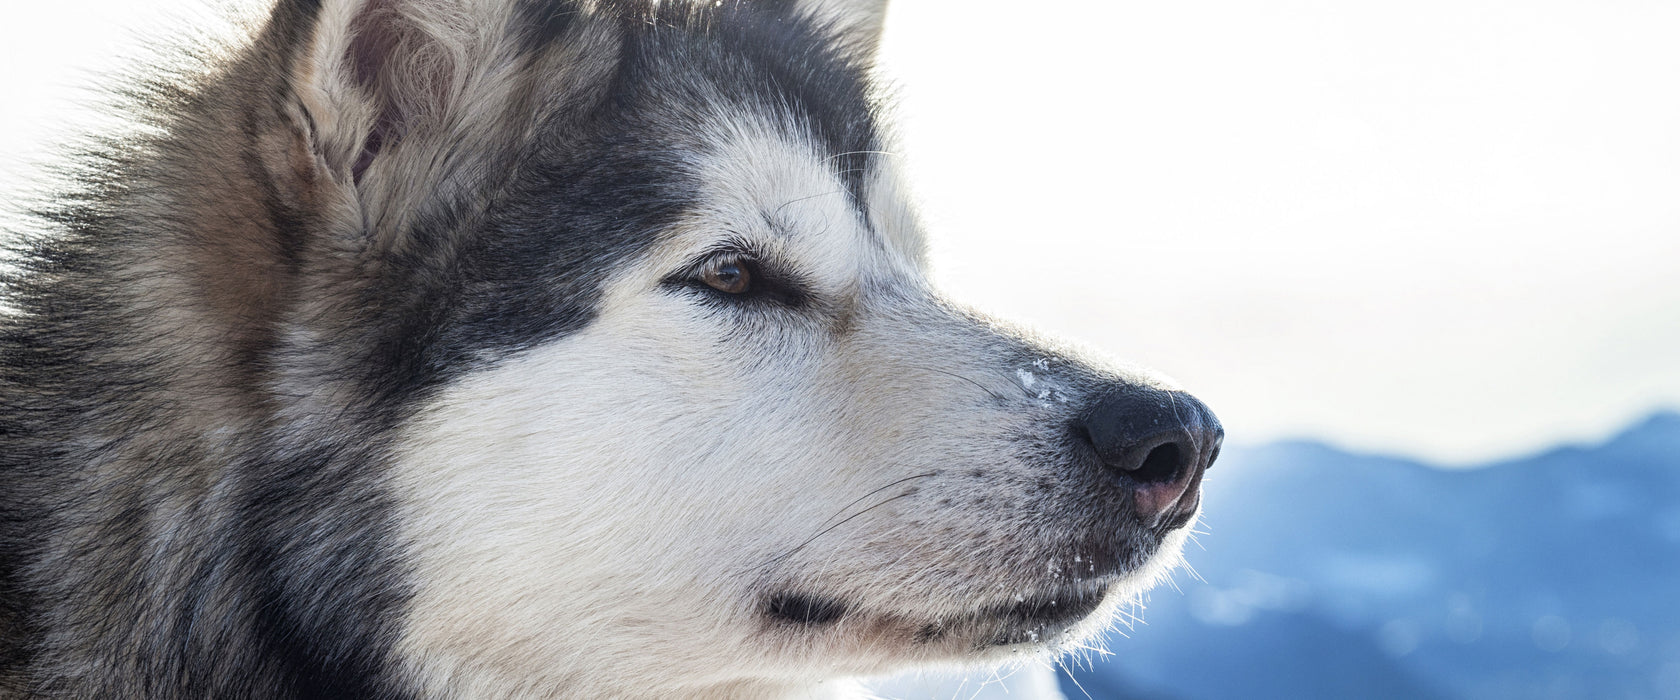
(1337, 575)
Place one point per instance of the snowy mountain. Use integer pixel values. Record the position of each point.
(1335, 575)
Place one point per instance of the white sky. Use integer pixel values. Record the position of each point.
(1447, 228)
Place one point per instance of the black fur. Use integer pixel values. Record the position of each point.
(144, 555)
(803, 609)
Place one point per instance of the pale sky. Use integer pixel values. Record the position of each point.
(1442, 228)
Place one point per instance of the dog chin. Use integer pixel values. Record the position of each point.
(1052, 615)
(1061, 615)
(1036, 618)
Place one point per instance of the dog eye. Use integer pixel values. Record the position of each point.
(737, 278)
(729, 275)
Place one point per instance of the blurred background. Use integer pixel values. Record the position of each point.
(1422, 257)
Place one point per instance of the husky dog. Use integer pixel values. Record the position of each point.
(541, 348)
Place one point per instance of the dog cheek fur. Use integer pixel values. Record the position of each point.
(582, 509)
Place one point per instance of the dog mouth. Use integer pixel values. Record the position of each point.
(1043, 610)
(1043, 596)
(1036, 617)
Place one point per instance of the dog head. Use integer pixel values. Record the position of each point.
(641, 298)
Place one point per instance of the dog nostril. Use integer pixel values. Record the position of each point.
(1160, 466)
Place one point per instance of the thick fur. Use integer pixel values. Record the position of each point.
(375, 365)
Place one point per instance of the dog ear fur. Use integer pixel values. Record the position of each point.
(857, 24)
(405, 100)
(399, 95)
(374, 70)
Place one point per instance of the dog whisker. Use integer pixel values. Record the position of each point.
(790, 202)
(860, 499)
(1192, 571)
(831, 528)
(860, 153)
(1063, 668)
(982, 387)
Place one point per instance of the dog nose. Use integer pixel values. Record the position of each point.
(1158, 443)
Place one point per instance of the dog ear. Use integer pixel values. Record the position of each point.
(373, 71)
(856, 24)
(412, 101)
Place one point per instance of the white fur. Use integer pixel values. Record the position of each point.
(596, 517)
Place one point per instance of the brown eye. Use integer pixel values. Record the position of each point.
(729, 277)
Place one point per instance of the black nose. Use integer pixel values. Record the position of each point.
(1158, 442)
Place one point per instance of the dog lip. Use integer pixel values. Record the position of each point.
(1070, 603)
(1182, 514)
(1037, 618)
(804, 609)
